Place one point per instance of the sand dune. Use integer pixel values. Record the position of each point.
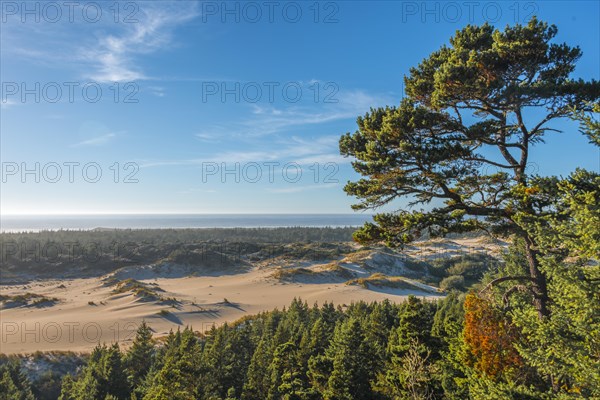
(109, 308)
(89, 311)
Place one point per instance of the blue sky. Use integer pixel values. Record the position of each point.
(189, 89)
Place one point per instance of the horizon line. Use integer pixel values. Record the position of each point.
(170, 213)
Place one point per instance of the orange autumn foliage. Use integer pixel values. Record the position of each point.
(532, 190)
(490, 338)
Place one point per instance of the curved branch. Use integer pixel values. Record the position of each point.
(504, 279)
(484, 160)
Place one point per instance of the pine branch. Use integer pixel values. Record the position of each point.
(505, 279)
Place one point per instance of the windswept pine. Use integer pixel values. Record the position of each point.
(462, 137)
(477, 278)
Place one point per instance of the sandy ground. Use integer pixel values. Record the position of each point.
(88, 312)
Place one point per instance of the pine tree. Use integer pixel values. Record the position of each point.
(14, 384)
(287, 375)
(258, 381)
(409, 370)
(447, 328)
(415, 322)
(103, 375)
(177, 379)
(379, 322)
(114, 373)
(429, 149)
(139, 358)
(225, 359)
(352, 364)
(565, 348)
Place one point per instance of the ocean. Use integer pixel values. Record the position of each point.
(18, 223)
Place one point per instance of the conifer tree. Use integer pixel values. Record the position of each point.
(352, 364)
(463, 136)
(177, 379)
(14, 384)
(139, 358)
(565, 348)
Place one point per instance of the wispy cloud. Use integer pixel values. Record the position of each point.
(303, 151)
(267, 120)
(208, 137)
(114, 55)
(322, 158)
(272, 120)
(158, 91)
(104, 51)
(96, 141)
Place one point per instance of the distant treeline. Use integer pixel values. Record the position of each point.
(67, 253)
(278, 235)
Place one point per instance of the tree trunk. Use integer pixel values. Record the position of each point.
(540, 300)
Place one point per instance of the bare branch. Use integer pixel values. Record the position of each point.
(504, 279)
